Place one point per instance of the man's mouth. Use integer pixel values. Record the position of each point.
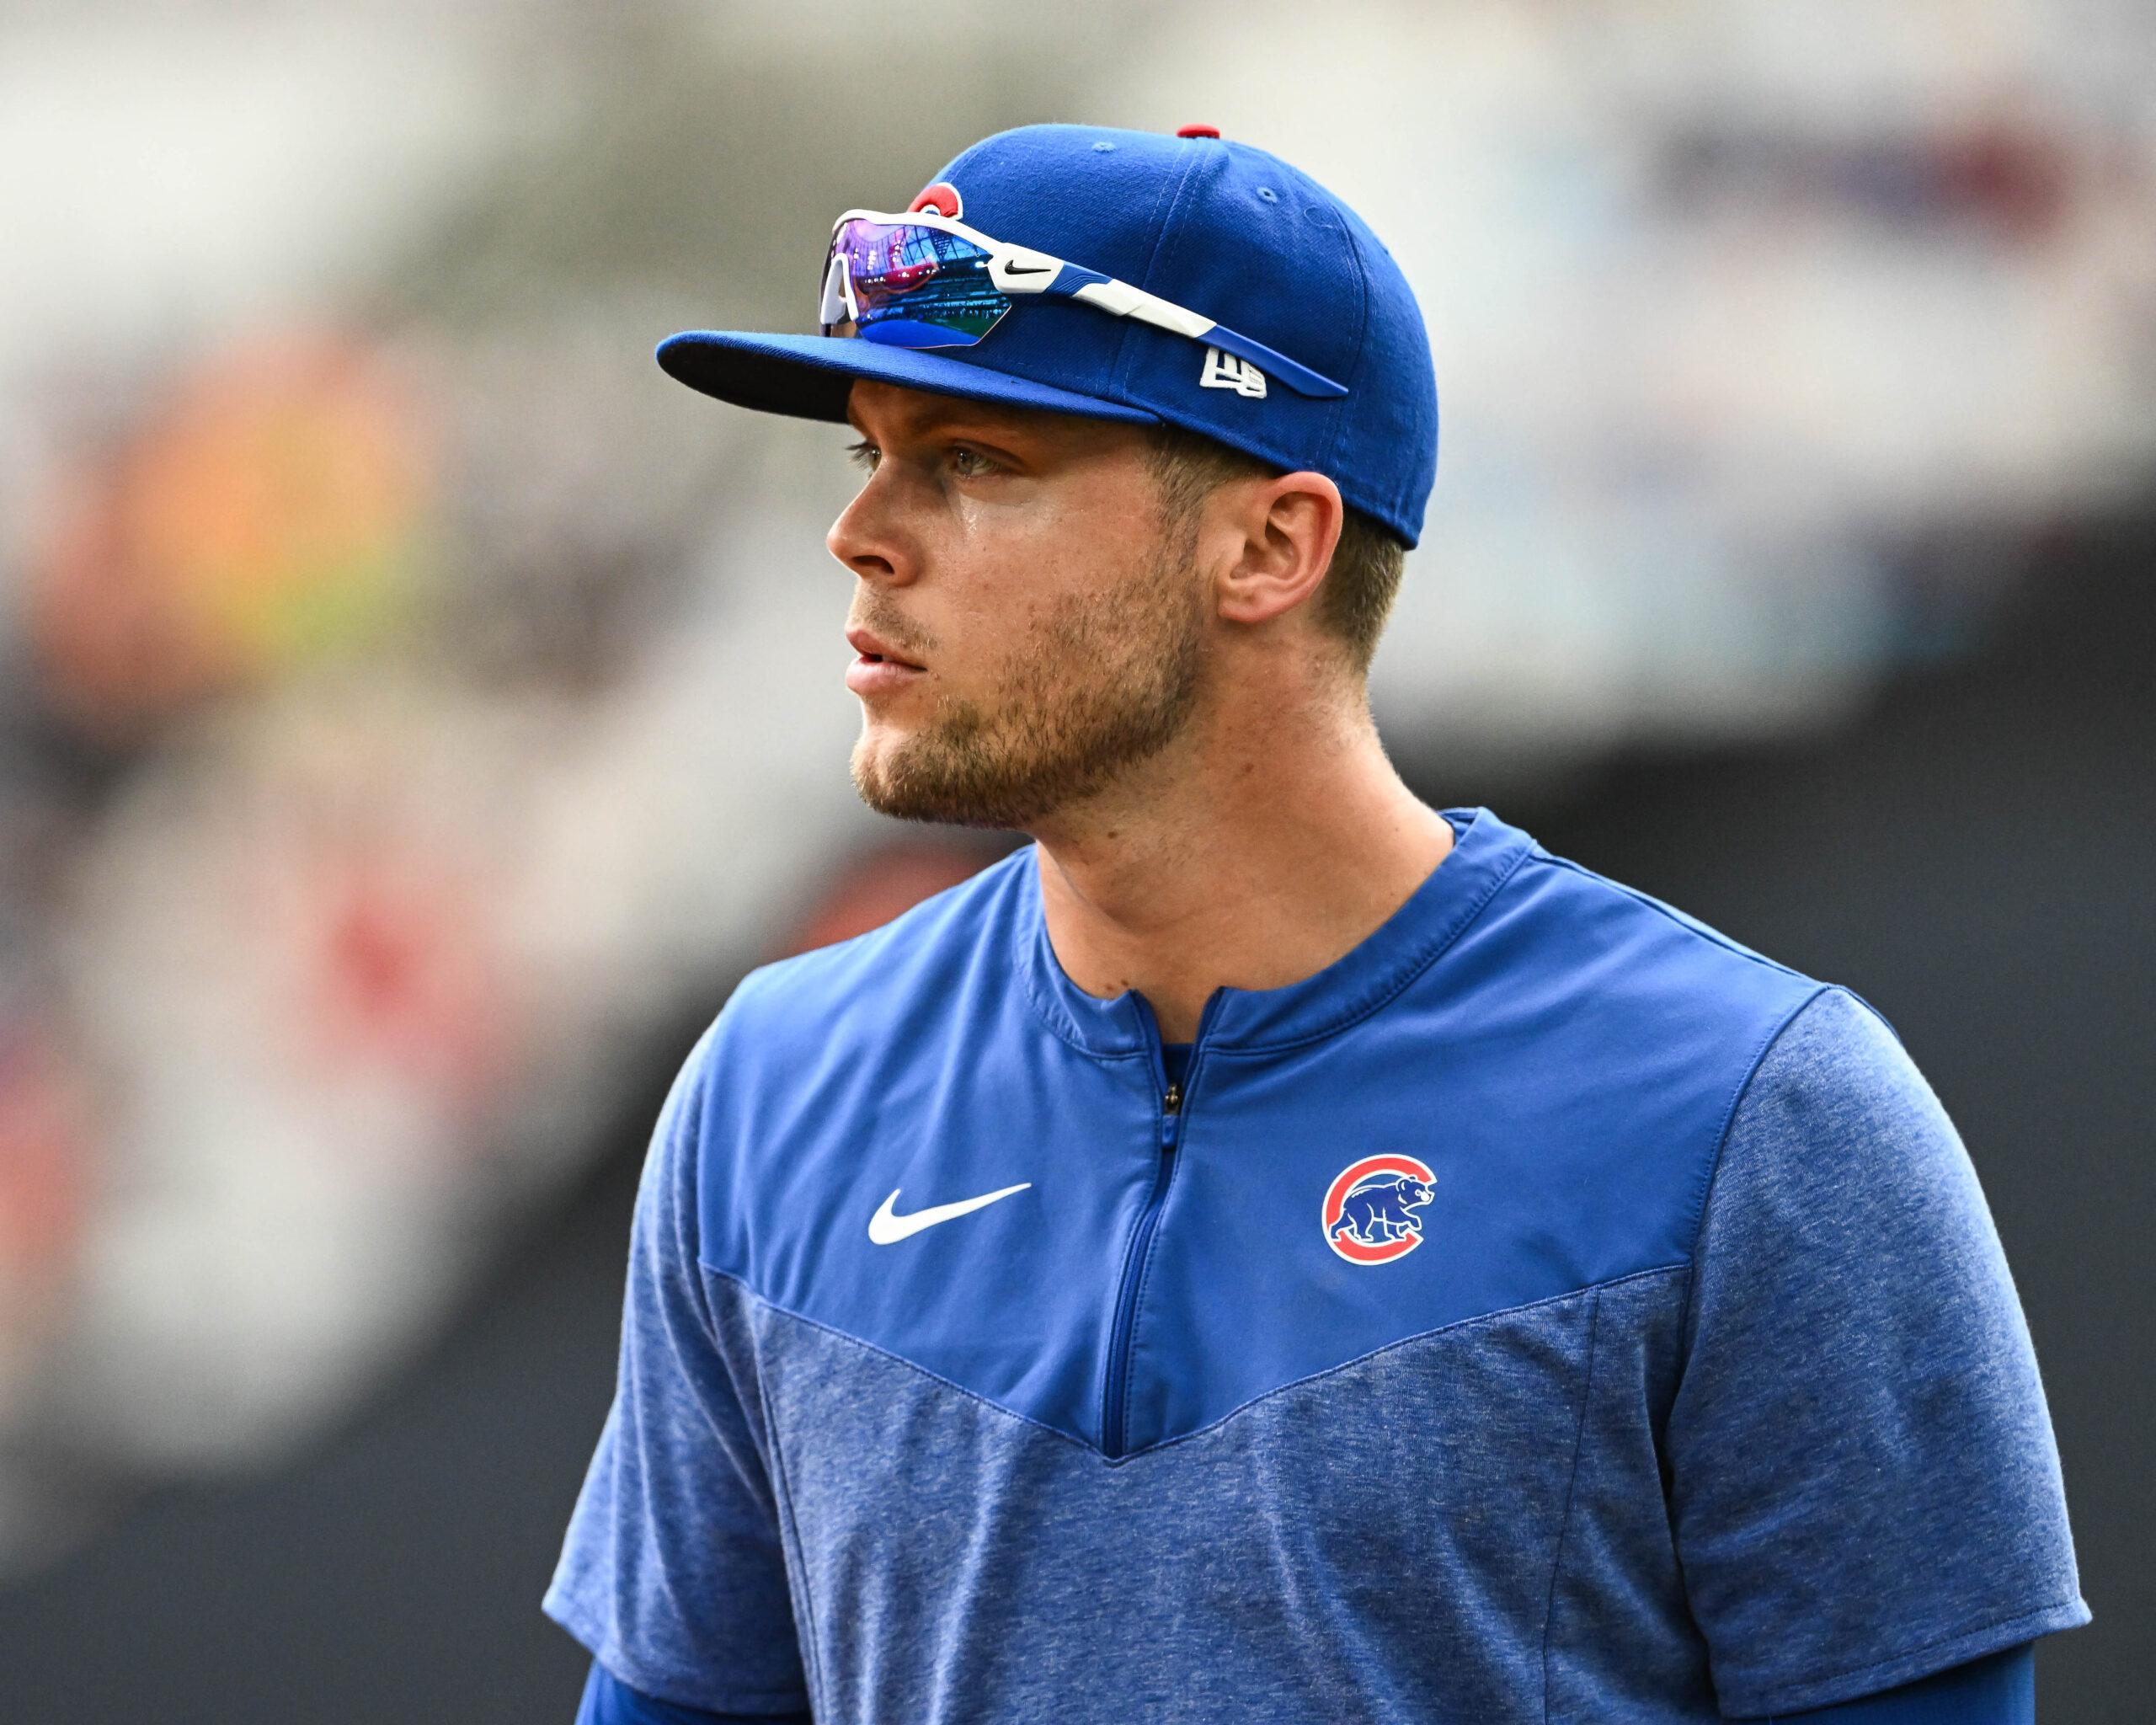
(877, 674)
(874, 649)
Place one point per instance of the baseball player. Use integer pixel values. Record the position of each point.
(1267, 1249)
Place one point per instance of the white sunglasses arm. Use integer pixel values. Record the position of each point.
(1125, 301)
(1018, 269)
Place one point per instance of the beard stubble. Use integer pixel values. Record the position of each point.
(1109, 679)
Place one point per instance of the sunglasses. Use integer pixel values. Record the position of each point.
(925, 280)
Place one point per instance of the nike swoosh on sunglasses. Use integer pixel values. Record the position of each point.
(925, 280)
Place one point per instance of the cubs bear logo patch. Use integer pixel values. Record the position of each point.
(1369, 1214)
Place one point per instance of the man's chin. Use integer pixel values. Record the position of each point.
(887, 778)
(912, 803)
(893, 777)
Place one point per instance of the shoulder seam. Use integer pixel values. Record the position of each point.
(1722, 1143)
(677, 1152)
(1712, 937)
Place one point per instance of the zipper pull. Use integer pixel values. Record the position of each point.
(1172, 1102)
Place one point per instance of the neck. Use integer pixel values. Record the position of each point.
(1252, 854)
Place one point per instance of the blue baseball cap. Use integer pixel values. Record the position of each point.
(1221, 228)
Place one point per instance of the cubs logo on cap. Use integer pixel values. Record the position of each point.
(1369, 1215)
(942, 197)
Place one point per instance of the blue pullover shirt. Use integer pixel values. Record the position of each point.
(1550, 1309)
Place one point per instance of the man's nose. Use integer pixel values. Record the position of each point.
(867, 540)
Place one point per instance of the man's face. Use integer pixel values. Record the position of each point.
(1023, 561)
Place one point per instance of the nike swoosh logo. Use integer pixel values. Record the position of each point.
(1027, 270)
(887, 1226)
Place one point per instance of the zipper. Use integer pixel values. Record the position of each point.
(1121, 1337)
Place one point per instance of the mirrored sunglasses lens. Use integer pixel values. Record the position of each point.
(910, 287)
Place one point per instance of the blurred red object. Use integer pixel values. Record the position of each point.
(871, 889)
(44, 1181)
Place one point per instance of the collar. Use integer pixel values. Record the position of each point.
(1485, 851)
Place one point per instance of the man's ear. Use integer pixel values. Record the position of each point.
(1282, 531)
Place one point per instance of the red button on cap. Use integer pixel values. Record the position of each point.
(1198, 131)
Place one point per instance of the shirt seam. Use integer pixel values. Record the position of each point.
(810, 1644)
(774, 1460)
(1407, 979)
(1571, 1486)
(1648, 901)
(1591, 1288)
(1059, 1024)
(1052, 1016)
(1712, 1170)
(766, 1300)
(1050, 1012)
(1467, 920)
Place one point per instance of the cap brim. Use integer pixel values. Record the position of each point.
(809, 376)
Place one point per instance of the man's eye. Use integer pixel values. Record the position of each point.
(862, 454)
(971, 462)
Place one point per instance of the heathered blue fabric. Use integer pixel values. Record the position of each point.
(1851, 1291)
(1705, 1393)
(2000, 1689)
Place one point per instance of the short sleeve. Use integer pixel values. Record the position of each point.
(1863, 1483)
(673, 1574)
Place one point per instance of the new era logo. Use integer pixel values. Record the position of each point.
(1226, 371)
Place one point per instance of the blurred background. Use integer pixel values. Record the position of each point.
(416, 711)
